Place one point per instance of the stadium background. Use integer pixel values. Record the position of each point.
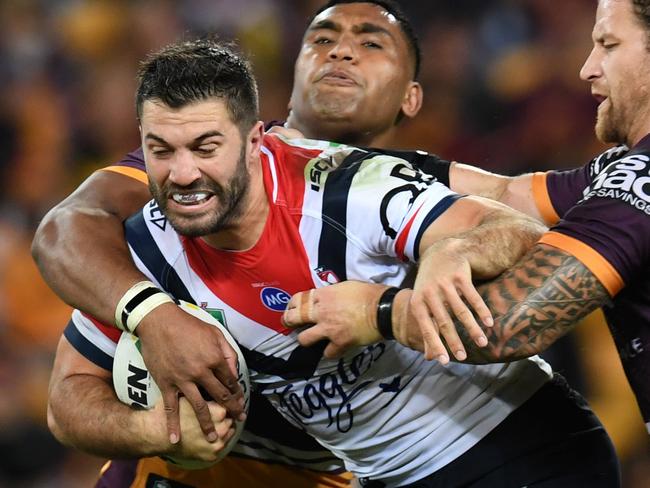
(501, 90)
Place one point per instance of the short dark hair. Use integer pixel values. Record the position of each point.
(642, 10)
(396, 11)
(192, 70)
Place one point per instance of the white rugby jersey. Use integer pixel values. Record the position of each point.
(339, 213)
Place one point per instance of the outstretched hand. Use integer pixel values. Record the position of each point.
(183, 353)
(343, 313)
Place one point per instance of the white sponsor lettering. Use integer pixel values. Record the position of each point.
(277, 298)
(638, 187)
(627, 180)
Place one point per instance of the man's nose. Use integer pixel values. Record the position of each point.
(591, 69)
(342, 50)
(183, 170)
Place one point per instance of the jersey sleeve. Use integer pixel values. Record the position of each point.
(391, 204)
(92, 339)
(609, 229)
(430, 164)
(557, 191)
(132, 165)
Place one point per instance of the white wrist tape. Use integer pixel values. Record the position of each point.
(137, 302)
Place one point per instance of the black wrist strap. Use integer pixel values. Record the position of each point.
(385, 312)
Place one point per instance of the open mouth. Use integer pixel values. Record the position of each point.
(191, 199)
(600, 98)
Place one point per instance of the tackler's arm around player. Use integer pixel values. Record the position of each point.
(98, 423)
(474, 239)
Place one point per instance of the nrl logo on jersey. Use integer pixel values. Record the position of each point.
(217, 313)
(627, 180)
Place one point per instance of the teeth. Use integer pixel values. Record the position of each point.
(189, 198)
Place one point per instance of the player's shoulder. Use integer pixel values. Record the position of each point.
(601, 162)
(620, 165)
(149, 229)
(622, 174)
(338, 156)
(133, 160)
(292, 151)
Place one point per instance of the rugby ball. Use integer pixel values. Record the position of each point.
(134, 385)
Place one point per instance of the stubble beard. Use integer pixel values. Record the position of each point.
(229, 203)
(331, 106)
(609, 125)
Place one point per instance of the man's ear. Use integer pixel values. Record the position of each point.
(412, 102)
(254, 139)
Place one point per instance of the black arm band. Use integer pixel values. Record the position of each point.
(385, 312)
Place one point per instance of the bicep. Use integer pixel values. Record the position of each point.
(514, 191)
(69, 362)
(463, 215)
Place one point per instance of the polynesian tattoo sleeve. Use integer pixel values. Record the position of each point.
(534, 303)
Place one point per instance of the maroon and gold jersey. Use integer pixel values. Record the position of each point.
(153, 472)
(603, 210)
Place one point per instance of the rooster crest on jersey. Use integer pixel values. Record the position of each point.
(134, 385)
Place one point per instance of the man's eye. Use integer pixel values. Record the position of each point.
(322, 40)
(160, 152)
(372, 44)
(206, 149)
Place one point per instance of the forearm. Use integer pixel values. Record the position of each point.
(533, 304)
(89, 273)
(514, 191)
(84, 413)
(496, 244)
(536, 303)
(80, 248)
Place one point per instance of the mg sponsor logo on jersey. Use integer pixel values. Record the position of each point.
(627, 179)
(274, 298)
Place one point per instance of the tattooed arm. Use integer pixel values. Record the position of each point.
(533, 304)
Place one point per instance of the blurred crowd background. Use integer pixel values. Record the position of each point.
(501, 91)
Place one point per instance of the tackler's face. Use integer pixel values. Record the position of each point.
(354, 67)
(618, 69)
(196, 163)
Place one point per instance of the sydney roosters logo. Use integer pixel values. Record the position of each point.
(326, 275)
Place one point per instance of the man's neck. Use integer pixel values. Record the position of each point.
(338, 132)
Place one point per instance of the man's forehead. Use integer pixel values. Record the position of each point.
(214, 107)
(213, 112)
(355, 14)
(614, 15)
